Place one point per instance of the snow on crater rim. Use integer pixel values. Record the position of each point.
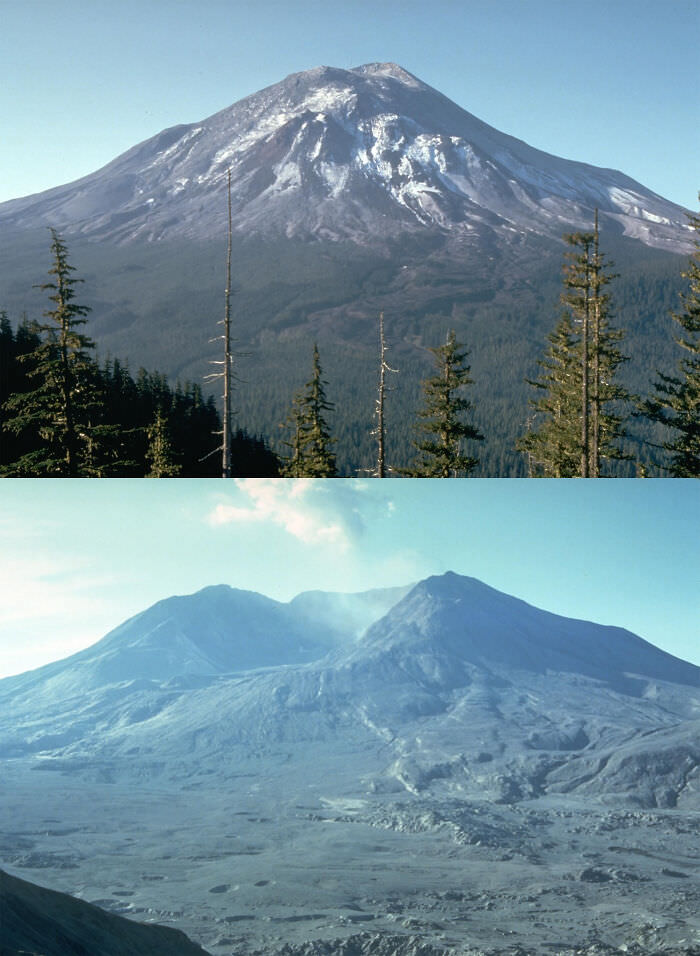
(327, 99)
(358, 127)
(388, 69)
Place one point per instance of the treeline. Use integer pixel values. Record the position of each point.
(581, 415)
(62, 414)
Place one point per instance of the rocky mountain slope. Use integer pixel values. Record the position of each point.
(215, 631)
(469, 775)
(459, 687)
(361, 154)
(181, 644)
(354, 192)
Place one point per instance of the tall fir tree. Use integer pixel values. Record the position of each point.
(441, 452)
(607, 396)
(553, 449)
(577, 298)
(578, 420)
(293, 464)
(311, 444)
(160, 456)
(676, 399)
(64, 403)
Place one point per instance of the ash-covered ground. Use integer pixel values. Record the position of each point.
(265, 866)
(469, 775)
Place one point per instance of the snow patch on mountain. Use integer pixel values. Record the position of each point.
(357, 154)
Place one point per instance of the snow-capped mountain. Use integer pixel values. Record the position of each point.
(360, 154)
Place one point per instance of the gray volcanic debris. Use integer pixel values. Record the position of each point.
(469, 774)
(360, 154)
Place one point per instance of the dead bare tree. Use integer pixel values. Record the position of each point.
(379, 431)
(227, 362)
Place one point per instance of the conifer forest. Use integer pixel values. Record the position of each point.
(65, 412)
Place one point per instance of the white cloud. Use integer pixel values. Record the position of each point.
(52, 601)
(313, 511)
(50, 607)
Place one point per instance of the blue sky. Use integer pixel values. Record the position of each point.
(610, 82)
(78, 557)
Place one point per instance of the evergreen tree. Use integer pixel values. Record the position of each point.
(64, 402)
(13, 379)
(553, 449)
(577, 421)
(676, 402)
(252, 458)
(577, 297)
(160, 456)
(311, 443)
(293, 464)
(441, 452)
(607, 397)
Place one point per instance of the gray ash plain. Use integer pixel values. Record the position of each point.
(414, 791)
(260, 865)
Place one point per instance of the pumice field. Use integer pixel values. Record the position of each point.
(435, 769)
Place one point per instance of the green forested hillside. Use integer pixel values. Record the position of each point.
(157, 305)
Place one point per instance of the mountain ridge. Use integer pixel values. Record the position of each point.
(361, 154)
(494, 612)
(453, 657)
(460, 613)
(216, 630)
(422, 780)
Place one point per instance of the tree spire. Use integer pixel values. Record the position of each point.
(441, 454)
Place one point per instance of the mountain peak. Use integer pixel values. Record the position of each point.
(450, 580)
(451, 586)
(465, 621)
(365, 155)
(388, 69)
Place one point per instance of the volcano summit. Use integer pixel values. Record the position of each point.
(361, 154)
(354, 192)
(469, 775)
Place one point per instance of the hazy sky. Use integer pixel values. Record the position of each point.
(78, 557)
(610, 82)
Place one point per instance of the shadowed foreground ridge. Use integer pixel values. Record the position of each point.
(34, 920)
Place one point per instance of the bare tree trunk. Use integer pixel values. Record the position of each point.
(381, 473)
(384, 367)
(227, 349)
(444, 435)
(70, 436)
